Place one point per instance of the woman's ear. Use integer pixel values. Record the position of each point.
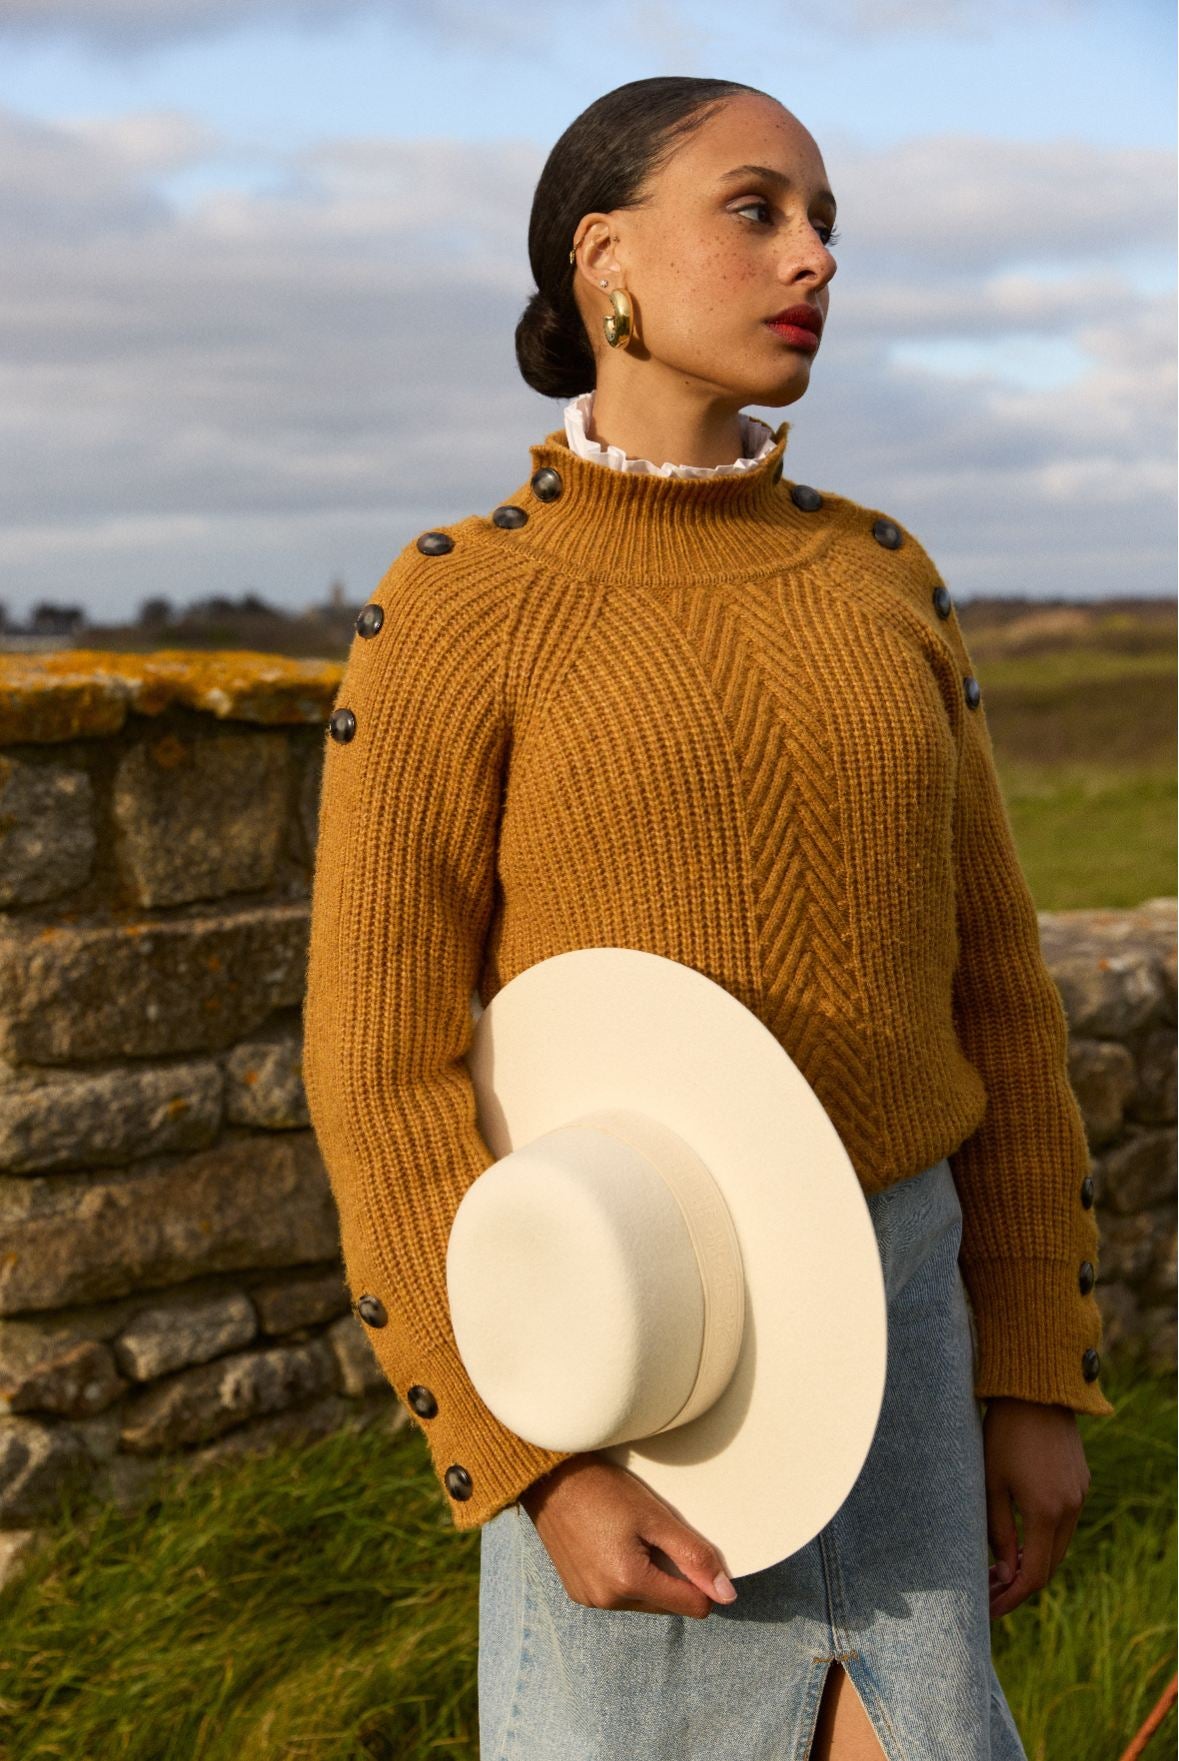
(597, 252)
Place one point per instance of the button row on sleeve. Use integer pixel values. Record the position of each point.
(888, 533)
(1091, 1360)
(944, 605)
(422, 1399)
(342, 722)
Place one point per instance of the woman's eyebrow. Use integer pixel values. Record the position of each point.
(772, 176)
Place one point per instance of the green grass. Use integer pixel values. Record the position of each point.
(1072, 665)
(313, 1603)
(1085, 748)
(1083, 1662)
(318, 1603)
(1092, 837)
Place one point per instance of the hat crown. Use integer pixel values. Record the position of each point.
(595, 1283)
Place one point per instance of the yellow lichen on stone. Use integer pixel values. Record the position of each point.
(84, 693)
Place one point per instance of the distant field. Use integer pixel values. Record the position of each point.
(1082, 711)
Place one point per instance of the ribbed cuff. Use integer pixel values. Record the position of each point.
(464, 1433)
(1033, 1328)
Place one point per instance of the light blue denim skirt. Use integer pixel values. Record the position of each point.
(895, 1586)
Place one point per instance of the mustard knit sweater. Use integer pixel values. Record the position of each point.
(731, 720)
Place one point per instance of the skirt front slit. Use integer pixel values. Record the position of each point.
(895, 1586)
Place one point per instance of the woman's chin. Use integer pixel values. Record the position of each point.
(779, 391)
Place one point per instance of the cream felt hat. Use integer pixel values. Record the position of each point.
(672, 1261)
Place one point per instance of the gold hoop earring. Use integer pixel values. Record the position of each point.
(618, 324)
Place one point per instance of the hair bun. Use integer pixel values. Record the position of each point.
(553, 360)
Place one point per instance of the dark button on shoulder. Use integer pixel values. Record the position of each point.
(422, 1401)
(458, 1482)
(371, 1311)
(886, 532)
(806, 498)
(1091, 1365)
(435, 543)
(973, 690)
(1085, 1280)
(546, 483)
(1087, 1192)
(943, 604)
(341, 724)
(509, 516)
(370, 620)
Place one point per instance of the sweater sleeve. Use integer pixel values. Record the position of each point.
(1029, 1236)
(401, 901)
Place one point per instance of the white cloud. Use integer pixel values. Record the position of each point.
(948, 18)
(127, 28)
(266, 389)
(965, 203)
(130, 26)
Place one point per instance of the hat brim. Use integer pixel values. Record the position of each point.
(770, 1462)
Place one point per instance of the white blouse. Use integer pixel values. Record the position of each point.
(757, 439)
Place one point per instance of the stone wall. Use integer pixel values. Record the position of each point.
(1115, 971)
(169, 1269)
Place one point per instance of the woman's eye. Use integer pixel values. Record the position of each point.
(831, 231)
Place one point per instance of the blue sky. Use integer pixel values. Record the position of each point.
(264, 260)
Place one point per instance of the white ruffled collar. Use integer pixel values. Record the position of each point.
(757, 439)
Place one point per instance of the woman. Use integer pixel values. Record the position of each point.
(664, 697)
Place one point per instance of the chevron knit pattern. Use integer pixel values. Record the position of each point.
(734, 722)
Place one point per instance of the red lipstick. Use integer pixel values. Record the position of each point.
(798, 325)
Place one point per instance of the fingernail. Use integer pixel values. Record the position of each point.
(1003, 1572)
(723, 1588)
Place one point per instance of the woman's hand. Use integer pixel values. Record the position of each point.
(1035, 1461)
(608, 1534)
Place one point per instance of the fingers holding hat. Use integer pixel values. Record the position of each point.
(615, 1543)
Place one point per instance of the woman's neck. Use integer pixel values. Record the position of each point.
(704, 434)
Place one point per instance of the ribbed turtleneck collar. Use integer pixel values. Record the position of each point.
(586, 519)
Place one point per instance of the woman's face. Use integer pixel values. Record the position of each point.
(709, 256)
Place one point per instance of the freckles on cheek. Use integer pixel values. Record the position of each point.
(722, 291)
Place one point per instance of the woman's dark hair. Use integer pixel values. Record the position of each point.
(602, 161)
